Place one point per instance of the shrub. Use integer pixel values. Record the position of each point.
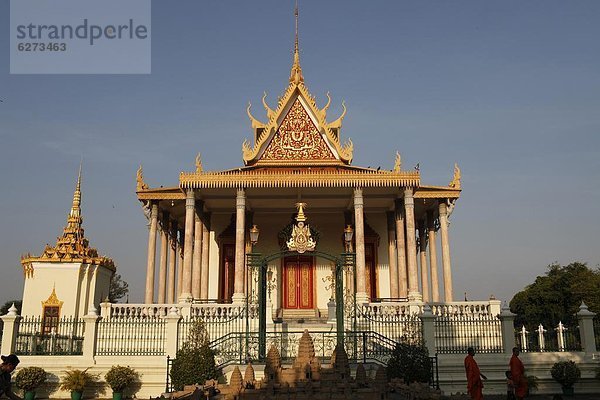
(120, 378)
(410, 363)
(30, 378)
(566, 373)
(75, 380)
(195, 361)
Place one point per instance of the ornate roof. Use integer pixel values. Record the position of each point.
(72, 246)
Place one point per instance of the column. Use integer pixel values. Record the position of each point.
(149, 298)
(172, 261)
(423, 260)
(446, 267)
(188, 247)
(197, 257)
(180, 250)
(359, 234)
(240, 245)
(391, 224)
(411, 246)
(401, 251)
(205, 256)
(435, 285)
(162, 271)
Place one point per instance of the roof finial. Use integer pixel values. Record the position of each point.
(296, 73)
(76, 207)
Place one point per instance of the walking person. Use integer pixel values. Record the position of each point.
(474, 376)
(9, 363)
(517, 371)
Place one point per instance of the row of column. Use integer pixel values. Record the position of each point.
(403, 249)
(184, 255)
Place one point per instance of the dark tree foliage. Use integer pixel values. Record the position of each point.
(556, 296)
(8, 304)
(118, 288)
(195, 361)
(410, 363)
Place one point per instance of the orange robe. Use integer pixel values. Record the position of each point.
(474, 383)
(517, 371)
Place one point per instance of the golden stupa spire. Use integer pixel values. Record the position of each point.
(296, 72)
(72, 245)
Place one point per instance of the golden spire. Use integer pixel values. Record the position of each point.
(296, 72)
(72, 246)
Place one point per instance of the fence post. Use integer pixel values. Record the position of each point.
(172, 339)
(10, 330)
(495, 306)
(90, 334)
(586, 329)
(508, 329)
(428, 319)
(105, 309)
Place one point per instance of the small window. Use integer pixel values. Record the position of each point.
(50, 320)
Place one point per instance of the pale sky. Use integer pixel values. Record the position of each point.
(508, 89)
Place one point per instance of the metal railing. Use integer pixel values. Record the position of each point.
(541, 339)
(456, 333)
(131, 336)
(65, 338)
(390, 322)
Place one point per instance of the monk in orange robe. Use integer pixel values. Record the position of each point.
(517, 370)
(474, 375)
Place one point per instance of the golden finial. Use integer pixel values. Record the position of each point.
(456, 178)
(76, 207)
(198, 163)
(270, 112)
(141, 185)
(338, 122)
(398, 162)
(296, 73)
(301, 217)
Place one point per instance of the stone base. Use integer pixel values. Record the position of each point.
(238, 298)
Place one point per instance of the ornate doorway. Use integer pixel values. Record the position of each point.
(298, 282)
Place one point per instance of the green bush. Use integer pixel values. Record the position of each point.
(410, 363)
(30, 378)
(195, 361)
(566, 373)
(120, 378)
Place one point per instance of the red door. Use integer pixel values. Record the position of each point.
(227, 271)
(298, 282)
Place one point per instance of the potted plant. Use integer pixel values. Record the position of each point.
(566, 373)
(30, 378)
(120, 378)
(75, 380)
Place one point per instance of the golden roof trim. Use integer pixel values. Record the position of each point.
(160, 196)
(301, 178)
(437, 194)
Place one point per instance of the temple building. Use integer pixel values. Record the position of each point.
(296, 171)
(67, 278)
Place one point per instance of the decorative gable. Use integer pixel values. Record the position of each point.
(297, 139)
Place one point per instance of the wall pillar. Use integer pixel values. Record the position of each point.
(164, 249)
(188, 247)
(172, 261)
(586, 329)
(411, 246)
(507, 319)
(428, 319)
(205, 256)
(401, 251)
(172, 332)
(446, 267)
(359, 234)
(10, 330)
(197, 256)
(435, 284)
(391, 225)
(90, 334)
(240, 245)
(423, 261)
(150, 266)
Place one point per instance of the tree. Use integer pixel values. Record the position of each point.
(556, 296)
(118, 288)
(195, 361)
(410, 362)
